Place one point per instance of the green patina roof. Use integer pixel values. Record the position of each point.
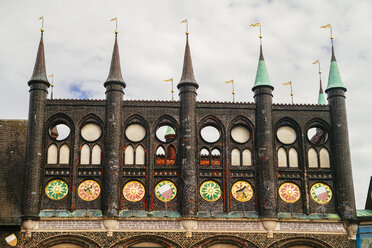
(334, 79)
(321, 99)
(364, 213)
(262, 77)
(170, 130)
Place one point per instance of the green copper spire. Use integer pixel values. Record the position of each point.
(334, 79)
(262, 77)
(321, 99)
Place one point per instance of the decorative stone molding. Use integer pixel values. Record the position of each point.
(189, 225)
(269, 225)
(110, 225)
(351, 230)
(28, 225)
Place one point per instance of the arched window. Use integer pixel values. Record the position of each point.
(85, 154)
(324, 158)
(64, 154)
(171, 155)
(247, 157)
(160, 156)
(312, 156)
(235, 157)
(216, 157)
(204, 157)
(140, 155)
(96, 154)
(129, 155)
(282, 157)
(293, 158)
(52, 154)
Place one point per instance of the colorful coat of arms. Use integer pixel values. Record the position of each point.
(56, 189)
(242, 191)
(165, 191)
(210, 191)
(89, 190)
(289, 192)
(133, 191)
(321, 193)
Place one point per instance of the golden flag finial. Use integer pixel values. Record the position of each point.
(52, 85)
(258, 24)
(317, 62)
(233, 88)
(115, 19)
(172, 90)
(330, 28)
(187, 26)
(289, 83)
(42, 23)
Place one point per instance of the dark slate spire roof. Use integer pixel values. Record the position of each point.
(115, 70)
(39, 74)
(187, 72)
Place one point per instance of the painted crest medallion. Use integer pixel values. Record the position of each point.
(89, 190)
(321, 193)
(210, 191)
(133, 191)
(242, 191)
(56, 189)
(289, 192)
(165, 191)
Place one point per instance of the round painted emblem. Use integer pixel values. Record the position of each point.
(56, 189)
(210, 191)
(89, 190)
(242, 191)
(165, 191)
(289, 192)
(321, 193)
(133, 191)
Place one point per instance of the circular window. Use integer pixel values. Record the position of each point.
(91, 132)
(210, 134)
(286, 135)
(317, 135)
(135, 132)
(59, 132)
(240, 134)
(166, 133)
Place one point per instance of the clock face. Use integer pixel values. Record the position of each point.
(133, 191)
(56, 189)
(242, 191)
(321, 193)
(165, 191)
(289, 192)
(89, 190)
(210, 191)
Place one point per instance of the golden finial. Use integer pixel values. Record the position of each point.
(51, 85)
(172, 90)
(330, 29)
(42, 23)
(258, 25)
(187, 26)
(289, 83)
(115, 19)
(233, 88)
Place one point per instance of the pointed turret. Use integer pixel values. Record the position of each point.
(115, 69)
(334, 79)
(188, 71)
(321, 99)
(39, 74)
(262, 76)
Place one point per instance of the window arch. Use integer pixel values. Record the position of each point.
(247, 157)
(235, 157)
(85, 154)
(52, 154)
(204, 156)
(140, 155)
(312, 157)
(293, 158)
(96, 154)
(318, 139)
(282, 157)
(324, 158)
(129, 155)
(216, 157)
(64, 154)
(171, 155)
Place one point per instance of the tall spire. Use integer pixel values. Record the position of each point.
(262, 76)
(115, 70)
(321, 99)
(39, 74)
(188, 71)
(334, 78)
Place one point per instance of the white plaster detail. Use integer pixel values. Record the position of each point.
(64, 154)
(240, 134)
(129, 155)
(282, 157)
(140, 155)
(235, 157)
(286, 135)
(293, 158)
(312, 157)
(91, 132)
(110, 225)
(189, 225)
(351, 230)
(324, 158)
(52, 154)
(269, 226)
(247, 157)
(96, 154)
(29, 225)
(210, 134)
(135, 132)
(85, 154)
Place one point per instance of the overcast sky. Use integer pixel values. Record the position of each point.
(79, 39)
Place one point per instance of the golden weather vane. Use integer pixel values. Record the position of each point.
(233, 88)
(115, 19)
(330, 28)
(42, 23)
(172, 90)
(289, 83)
(258, 24)
(187, 25)
(51, 85)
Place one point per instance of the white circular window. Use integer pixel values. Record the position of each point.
(317, 135)
(91, 132)
(240, 134)
(166, 133)
(286, 135)
(59, 132)
(210, 134)
(135, 132)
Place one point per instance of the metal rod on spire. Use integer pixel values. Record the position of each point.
(233, 88)
(51, 85)
(258, 25)
(187, 26)
(290, 83)
(330, 29)
(42, 23)
(115, 19)
(172, 90)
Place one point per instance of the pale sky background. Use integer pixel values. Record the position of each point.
(79, 40)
